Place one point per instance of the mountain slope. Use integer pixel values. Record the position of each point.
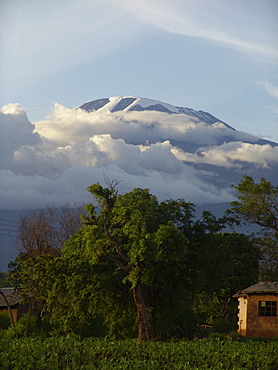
(131, 103)
(136, 104)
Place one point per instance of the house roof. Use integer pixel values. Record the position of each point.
(259, 288)
(11, 295)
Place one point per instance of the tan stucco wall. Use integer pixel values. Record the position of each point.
(242, 315)
(250, 323)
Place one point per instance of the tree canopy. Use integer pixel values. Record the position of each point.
(138, 264)
(130, 232)
(257, 203)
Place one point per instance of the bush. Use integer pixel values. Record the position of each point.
(18, 331)
(4, 320)
(222, 326)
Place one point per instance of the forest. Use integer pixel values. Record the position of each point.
(130, 266)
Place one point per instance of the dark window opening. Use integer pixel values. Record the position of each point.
(267, 308)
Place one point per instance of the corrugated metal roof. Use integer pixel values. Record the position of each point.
(260, 288)
(11, 295)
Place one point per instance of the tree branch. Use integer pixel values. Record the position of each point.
(126, 268)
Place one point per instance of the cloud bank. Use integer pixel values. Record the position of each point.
(232, 154)
(53, 161)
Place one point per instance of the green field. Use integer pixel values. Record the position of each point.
(91, 353)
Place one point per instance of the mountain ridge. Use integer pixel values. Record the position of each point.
(131, 103)
(139, 104)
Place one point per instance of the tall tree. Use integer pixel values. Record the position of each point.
(35, 276)
(43, 231)
(129, 232)
(224, 263)
(258, 204)
(42, 234)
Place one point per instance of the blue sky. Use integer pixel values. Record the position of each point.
(216, 56)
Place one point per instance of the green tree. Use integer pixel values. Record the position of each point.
(133, 235)
(219, 263)
(268, 245)
(4, 280)
(35, 276)
(134, 242)
(137, 264)
(89, 299)
(41, 236)
(225, 263)
(258, 204)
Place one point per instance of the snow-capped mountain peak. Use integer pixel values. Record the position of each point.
(132, 103)
(128, 103)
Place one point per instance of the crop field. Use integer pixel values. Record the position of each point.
(91, 353)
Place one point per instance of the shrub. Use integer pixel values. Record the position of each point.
(4, 320)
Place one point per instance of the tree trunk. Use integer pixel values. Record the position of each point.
(40, 306)
(30, 310)
(145, 330)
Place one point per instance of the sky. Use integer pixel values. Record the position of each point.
(216, 56)
(219, 56)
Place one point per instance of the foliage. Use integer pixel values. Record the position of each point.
(35, 277)
(258, 204)
(4, 320)
(269, 257)
(41, 236)
(18, 331)
(73, 354)
(86, 299)
(4, 280)
(137, 264)
(222, 263)
(135, 240)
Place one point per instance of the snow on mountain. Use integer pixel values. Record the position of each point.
(137, 104)
(131, 103)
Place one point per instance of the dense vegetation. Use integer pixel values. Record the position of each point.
(74, 354)
(139, 267)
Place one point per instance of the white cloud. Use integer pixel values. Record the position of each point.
(55, 160)
(230, 154)
(42, 171)
(16, 132)
(18, 191)
(66, 125)
(270, 88)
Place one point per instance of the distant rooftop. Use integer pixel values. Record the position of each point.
(260, 288)
(11, 295)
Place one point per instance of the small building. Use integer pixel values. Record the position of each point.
(257, 306)
(15, 302)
